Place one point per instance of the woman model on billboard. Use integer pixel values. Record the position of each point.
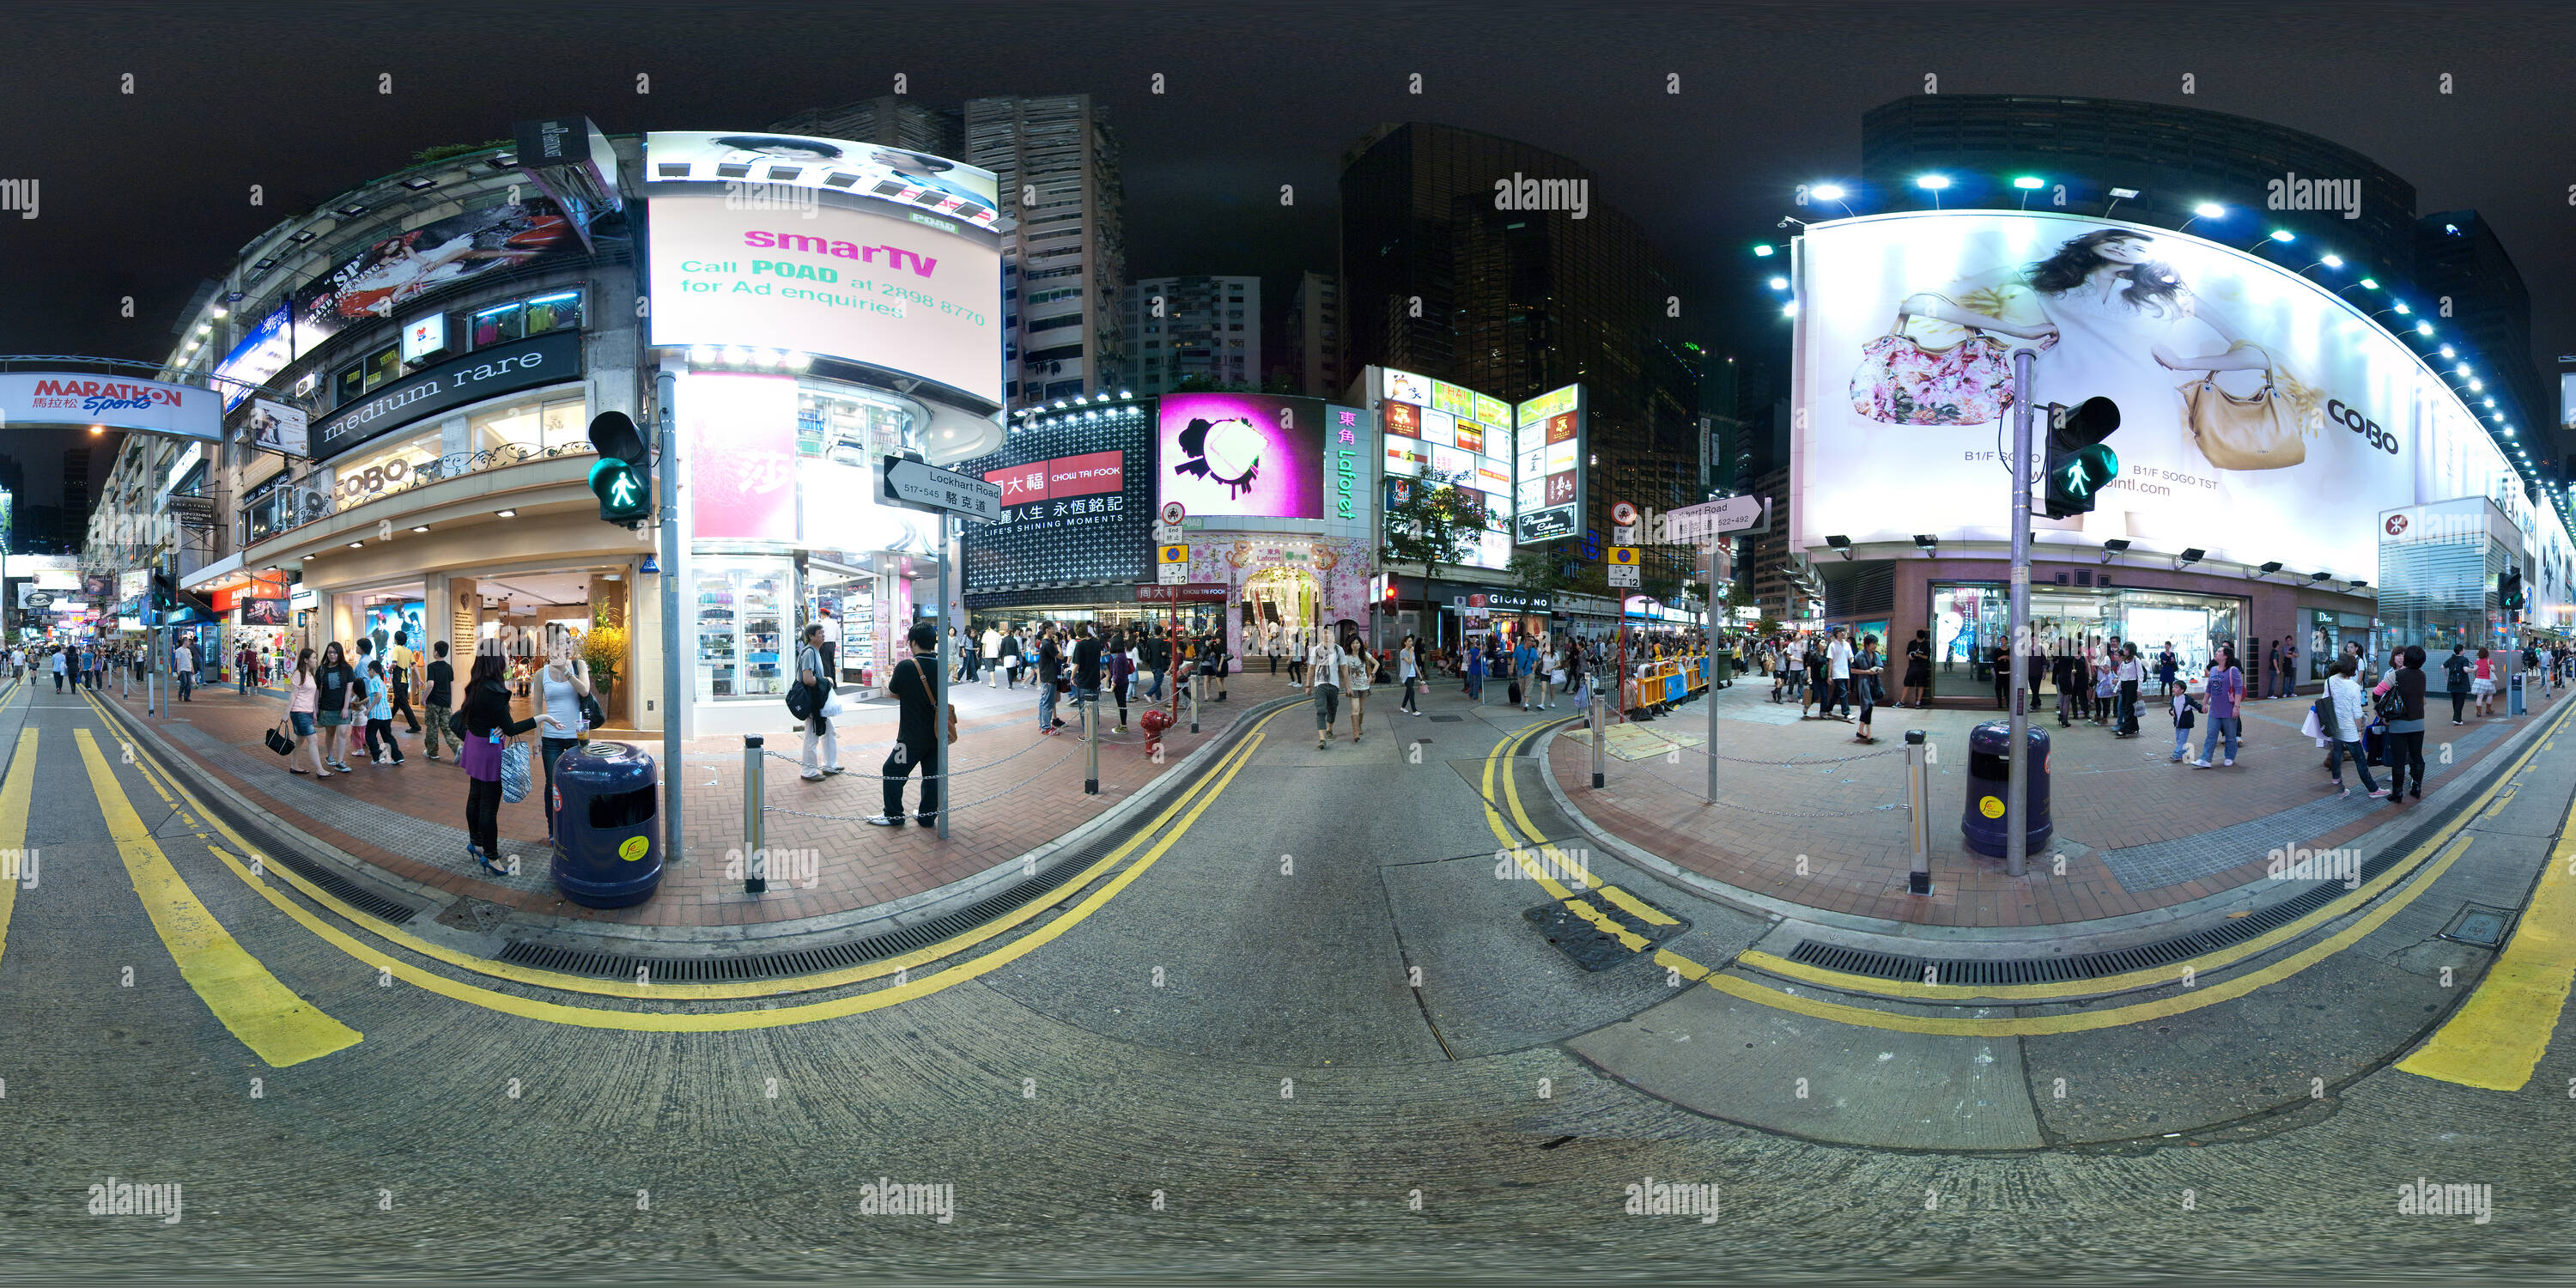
(2113, 314)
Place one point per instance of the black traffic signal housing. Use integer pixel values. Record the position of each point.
(2509, 590)
(2079, 465)
(622, 478)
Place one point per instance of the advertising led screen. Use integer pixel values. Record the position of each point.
(2261, 416)
(1548, 443)
(1077, 506)
(1465, 441)
(263, 352)
(369, 285)
(1242, 455)
(903, 177)
(871, 288)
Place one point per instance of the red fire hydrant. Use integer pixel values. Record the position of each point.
(1156, 721)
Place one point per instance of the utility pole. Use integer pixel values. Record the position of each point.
(673, 660)
(2017, 788)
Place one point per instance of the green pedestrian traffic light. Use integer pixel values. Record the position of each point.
(621, 478)
(2079, 466)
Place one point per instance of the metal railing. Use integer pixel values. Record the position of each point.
(293, 507)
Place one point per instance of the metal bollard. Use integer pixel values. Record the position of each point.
(1599, 739)
(1194, 704)
(1918, 810)
(1091, 747)
(755, 853)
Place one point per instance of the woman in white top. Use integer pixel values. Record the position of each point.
(2351, 712)
(1324, 675)
(1357, 671)
(564, 682)
(1408, 668)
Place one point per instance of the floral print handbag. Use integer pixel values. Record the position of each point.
(1900, 382)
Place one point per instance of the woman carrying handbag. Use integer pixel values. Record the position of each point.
(303, 699)
(485, 727)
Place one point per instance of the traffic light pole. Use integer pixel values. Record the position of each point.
(665, 441)
(2017, 789)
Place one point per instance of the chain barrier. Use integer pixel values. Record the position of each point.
(799, 761)
(947, 807)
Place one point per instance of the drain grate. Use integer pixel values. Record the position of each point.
(344, 889)
(1444, 719)
(2054, 970)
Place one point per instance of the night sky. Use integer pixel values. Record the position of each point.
(146, 194)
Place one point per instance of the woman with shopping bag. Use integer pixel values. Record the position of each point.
(484, 725)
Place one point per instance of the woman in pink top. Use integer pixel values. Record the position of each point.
(302, 698)
(2482, 684)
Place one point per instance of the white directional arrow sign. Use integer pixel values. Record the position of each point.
(915, 486)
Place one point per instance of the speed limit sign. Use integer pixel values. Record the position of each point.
(1623, 514)
(1174, 512)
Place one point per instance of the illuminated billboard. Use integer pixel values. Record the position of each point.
(2262, 417)
(911, 297)
(1550, 444)
(370, 284)
(265, 349)
(1242, 455)
(915, 180)
(1437, 430)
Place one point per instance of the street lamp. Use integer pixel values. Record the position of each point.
(2205, 210)
(1933, 183)
(1833, 192)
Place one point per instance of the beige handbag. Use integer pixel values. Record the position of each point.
(2257, 433)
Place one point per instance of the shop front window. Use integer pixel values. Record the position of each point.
(534, 426)
(737, 618)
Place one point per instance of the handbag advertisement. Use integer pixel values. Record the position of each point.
(2262, 416)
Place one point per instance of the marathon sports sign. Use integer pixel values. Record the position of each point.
(145, 406)
(484, 373)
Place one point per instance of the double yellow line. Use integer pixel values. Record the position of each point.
(2422, 868)
(1187, 808)
(1518, 844)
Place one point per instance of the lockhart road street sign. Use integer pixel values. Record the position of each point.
(915, 486)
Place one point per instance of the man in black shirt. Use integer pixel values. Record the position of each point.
(917, 735)
(1086, 677)
(441, 676)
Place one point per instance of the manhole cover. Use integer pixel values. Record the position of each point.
(2481, 926)
(1445, 719)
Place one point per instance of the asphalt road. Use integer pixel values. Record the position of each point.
(1304, 1030)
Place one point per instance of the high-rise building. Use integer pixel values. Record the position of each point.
(891, 119)
(1055, 162)
(1314, 359)
(1496, 265)
(2464, 274)
(2174, 158)
(76, 480)
(1178, 327)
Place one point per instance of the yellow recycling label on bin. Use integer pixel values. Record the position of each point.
(633, 848)
(1991, 806)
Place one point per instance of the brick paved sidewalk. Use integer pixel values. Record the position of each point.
(410, 821)
(2137, 832)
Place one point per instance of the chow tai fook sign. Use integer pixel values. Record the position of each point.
(485, 373)
(1196, 592)
(117, 402)
(1044, 489)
